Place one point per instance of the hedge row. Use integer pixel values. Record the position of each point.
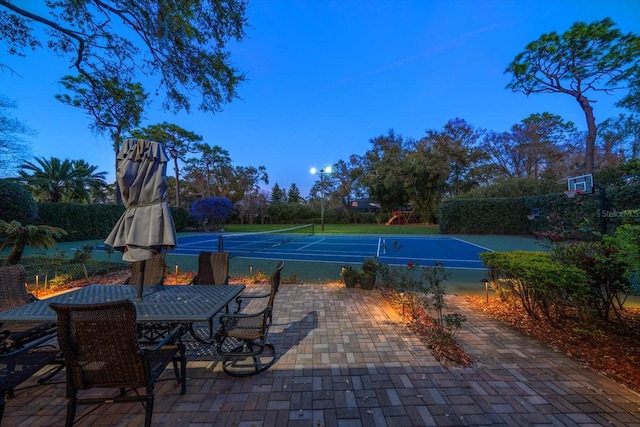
(89, 222)
(559, 216)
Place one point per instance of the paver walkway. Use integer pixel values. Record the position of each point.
(347, 360)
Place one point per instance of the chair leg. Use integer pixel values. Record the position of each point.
(183, 366)
(1, 406)
(71, 412)
(149, 408)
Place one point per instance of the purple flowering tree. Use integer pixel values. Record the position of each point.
(212, 211)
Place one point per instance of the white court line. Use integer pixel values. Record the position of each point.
(309, 245)
(200, 242)
(472, 244)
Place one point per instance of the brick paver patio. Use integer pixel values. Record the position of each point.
(346, 360)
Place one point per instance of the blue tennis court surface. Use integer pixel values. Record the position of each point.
(452, 252)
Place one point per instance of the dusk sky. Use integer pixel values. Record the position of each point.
(325, 77)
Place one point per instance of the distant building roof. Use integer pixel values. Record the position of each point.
(365, 205)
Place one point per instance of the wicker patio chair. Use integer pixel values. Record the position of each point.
(150, 272)
(13, 293)
(12, 287)
(213, 269)
(241, 340)
(101, 350)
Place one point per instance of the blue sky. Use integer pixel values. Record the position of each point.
(325, 77)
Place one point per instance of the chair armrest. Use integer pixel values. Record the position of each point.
(249, 296)
(242, 297)
(224, 317)
(29, 346)
(22, 338)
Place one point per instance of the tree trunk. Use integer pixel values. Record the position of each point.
(16, 254)
(175, 168)
(591, 134)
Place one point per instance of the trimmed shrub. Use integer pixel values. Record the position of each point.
(536, 282)
(484, 216)
(560, 218)
(81, 222)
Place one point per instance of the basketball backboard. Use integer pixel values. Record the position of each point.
(582, 183)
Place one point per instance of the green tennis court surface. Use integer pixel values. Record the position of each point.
(452, 252)
(318, 258)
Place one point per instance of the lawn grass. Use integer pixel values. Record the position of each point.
(377, 229)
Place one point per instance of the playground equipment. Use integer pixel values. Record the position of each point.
(402, 217)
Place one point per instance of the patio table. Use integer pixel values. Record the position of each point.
(184, 304)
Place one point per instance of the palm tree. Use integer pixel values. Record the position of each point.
(18, 236)
(90, 184)
(54, 180)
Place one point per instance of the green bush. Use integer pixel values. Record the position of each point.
(16, 203)
(536, 282)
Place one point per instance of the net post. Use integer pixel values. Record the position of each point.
(220, 244)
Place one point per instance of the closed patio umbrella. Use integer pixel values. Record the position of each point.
(146, 227)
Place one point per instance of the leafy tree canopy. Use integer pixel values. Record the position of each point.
(587, 58)
(63, 181)
(212, 210)
(183, 43)
(13, 148)
(177, 141)
(293, 195)
(17, 236)
(114, 106)
(278, 195)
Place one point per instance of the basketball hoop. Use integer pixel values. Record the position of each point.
(572, 193)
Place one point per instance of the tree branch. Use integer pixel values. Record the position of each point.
(66, 31)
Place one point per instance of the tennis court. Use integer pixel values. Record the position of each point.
(317, 258)
(300, 244)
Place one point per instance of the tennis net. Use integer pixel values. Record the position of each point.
(244, 243)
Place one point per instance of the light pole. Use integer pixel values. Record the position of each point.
(322, 172)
